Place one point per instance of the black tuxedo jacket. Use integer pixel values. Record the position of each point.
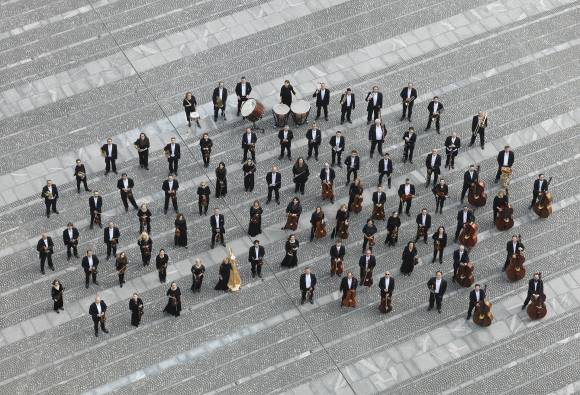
(385, 169)
(93, 310)
(177, 150)
(344, 284)
(116, 234)
(79, 169)
(371, 103)
(54, 192)
(40, 245)
(319, 100)
(475, 121)
(336, 252)
(85, 262)
(352, 164)
(442, 286)
(253, 139)
(340, 143)
(165, 185)
(510, 247)
(96, 206)
(510, 159)
(105, 148)
(537, 186)
(437, 162)
(343, 101)
(303, 281)
(379, 199)
(66, 239)
(215, 95)
(383, 287)
(239, 89)
(464, 257)
(130, 184)
(412, 138)
(473, 298)
(401, 190)
(432, 105)
(362, 261)
(448, 144)
(438, 188)
(373, 135)
(252, 253)
(470, 216)
(318, 138)
(540, 287)
(289, 137)
(468, 180)
(277, 182)
(215, 226)
(427, 220)
(404, 93)
(497, 201)
(331, 174)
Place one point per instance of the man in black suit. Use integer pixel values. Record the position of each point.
(505, 158)
(387, 286)
(535, 287)
(256, 258)
(80, 174)
(173, 152)
(70, 238)
(409, 138)
(89, 264)
(111, 237)
(249, 140)
(379, 198)
(337, 147)
(314, 137)
(221, 93)
(274, 181)
(45, 248)
(125, 186)
(352, 166)
(476, 297)
(217, 227)
(437, 287)
(327, 175)
(367, 263)
(478, 125)
(433, 164)
(385, 168)
(109, 151)
(97, 311)
(435, 108)
(452, 145)
(460, 256)
(285, 136)
(408, 95)
(470, 177)
(423, 221)
(464, 216)
(170, 187)
(513, 247)
(348, 282)
(307, 285)
(374, 101)
(50, 195)
(95, 209)
(377, 135)
(322, 96)
(540, 187)
(406, 192)
(347, 104)
(243, 89)
(337, 251)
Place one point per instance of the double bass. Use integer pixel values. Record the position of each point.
(465, 276)
(516, 269)
(477, 196)
(504, 220)
(482, 315)
(468, 235)
(319, 229)
(327, 192)
(336, 266)
(537, 307)
(543, 207)
(386, 303)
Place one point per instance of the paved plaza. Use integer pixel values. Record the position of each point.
(73, 73)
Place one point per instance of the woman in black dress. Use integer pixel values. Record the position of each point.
(286, 92)
(393, 224)
(205, 145)
(121, 264)
(180, 231)
(146, 246)
(203, 193)
(221, 188)
(255, 227)
(301, 173)
(291, 257)
(136, 308)
(409, 255)
(249, 168)
(161, 262)
(197, 273)
(174, 302)
(342, 215)
(315, 218)
(189, 104)
(293, 212)
(56, 292)
(224, 276)
(144, 216)
(142, 145)
(439, 243)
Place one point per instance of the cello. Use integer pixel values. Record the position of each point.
(516, 269)
(336, 266)
(350, 299)
(342, 230)
(386, 305)
(465, 275)
(482, 315)
(477, 196)
(468, 235)
(378, 212)
(319, 229)
(327, 192)
(357, 201)
(504, 220)
(543, 207)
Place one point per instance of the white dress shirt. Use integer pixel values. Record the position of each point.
(243, 89)
(378, 133)
(375, 98)
(348, 100)
(307, 281)
(437, 285)
(407, 189)
(435, 106)
(110, 149)
(349, 282)
(506, 158)
(477, 296)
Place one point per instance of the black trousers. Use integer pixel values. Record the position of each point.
(450, 160)
(188, 112)
(121, 278)
(206, 159)
(458, 229)
(373, 113)
(436, 252)
(252, 152)
(408, 110)
(240, 102)
(276, 193)
(84, 181)
(379, 145)
(57, 304)
(299, 186)
(249, 182)
(214, 235)
(202, 208)
(286, 147)
(435, 173)
(173, 202)
(534, 198)
(110, 165)
(481, 133)
(50, 205)
(318, 108)
(439, 202)
(470, 309)
(381, 175)
(111, 249)
(216, 111)
(162, 275)
(196, 283)
(45, 258)
(345, 112)
(408, 152)
(147, 225)
(173, 165)
(88, 275)
(435, 298)
(437, 123)
(74, 249)
(310, 294)
(313, 146)
(407, 206)
(350, 171)
(464, 190)
(125, 197)
(336, 155)
(144, 159)
(256, 267)
(96, 322)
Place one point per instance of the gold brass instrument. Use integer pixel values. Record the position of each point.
(480, 124)
(219, 103)
(81, 175)
(506, 177)
(48, 195)
(166, 153)
(103, 152)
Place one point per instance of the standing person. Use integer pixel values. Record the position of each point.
(385, 169)
(437, 287)
(142, 145)
(249, 168)
(173, 153)
(460, 257)
(435, 109)
(144, 215)
(243, 89)
(121, 264)
(95, 209)
(387, 286)
(348, 287)
(379, 200)
(274, 181)
(256, 258)
(286, 92)
(374, 101)
(301, 173)
(369, 230)
(441, 192)
(249, 140)
(111, 237)
(355, 191)
(478, 125)
(293, 211)
(219, 98)
(500, 201)
(393, 224)
(161, 262)
(406, 194)
(408, 96)
(439, 243)
(180, 238)
(367, 263)
(452, 145)
(327, 176)
(285, 136)
(409, 259)
(540, 188)
(337, 147)
(221, 188)
(45, 248)
(342, 215)
(136, 309)
(125, 186)
(70, 238)
(291, 256)
(109, 151)
(173, 306)
(89, 264)
(352, 166)
(189, 104)
(476, 296)
(205, 145)
(505, 158)
(314, 137)
(513, 247)
(470, 177)
(218, 229)
(50, 195)
(377, 135)
(464, 216)
(170, 187)
(322, 96)
(317, 219)
(203, 194)
(255, 226)
(337, 253)
(347, 104)
(224, 276)
(80, 175)
(535, 287)
(409, 139)
(197, 273)
(307, 285)
(56, 293)
(433, 165)
(97, 311)
(145, 244)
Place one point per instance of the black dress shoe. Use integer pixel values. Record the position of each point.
(311, 301)
(467, 318)
(96, 334)
(57, 312)
(96, 282)
(105, 330)
(302, 301)
(87, 286)
(51, 268)
(439, 311)
(523, 307)
(429, 308)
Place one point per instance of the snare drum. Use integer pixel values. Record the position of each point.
(300, 110)
(194, 116)
(281, 113)
(252, 110)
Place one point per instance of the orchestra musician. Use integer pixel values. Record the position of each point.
(249, 168)
(97, 311)
(145, 244)
(95, 209)
(189, 104)
(173, 306)
(286, 92)
(435, 108)
(433, 165)
(173, 153)
(535, 287)
(355, 193)
(347, 104)
(56, 293)
(327, 176)
(342, 215)
(285, 136)
(513, 247)
(45, 248)
(377, 136)
(439, 243)
(369, 230)
(161, 262)
(393, 224)
(218, 229)
(469, 178)
(197, 274)
(385, 169)
(387, 286)
(221, 188)
(441, 192)
(142, 145)
(460, 257)
(70, 238)
(170, 187)
(452, 145)
(502, 199)
(144, 215)
(314, 137)
(219, 98)
(249, 140)
(307, 285)
(464, 216)
(409, 139)
(337, 143)
(406, 194)
(379, 199)
(540, 187)
(121, 264)
(300, 174)
(423, 224)
(291, 256)
(293, 212)
(80, 175)
(89, 264)
(322, 96)
(352, 165)
(348, 283)
(109, 151)
(256, 257)
(243, 90)
(316, 220)
(505, 158)
(408, 259)
(367, 263)
(478, 125)
(50, 195)
(111, 237)
(136, 309)
(203, 194)
(374, 101)
(337, 253)
(180, 238)
(205, 145)
(274, 181)
(125, 186)
(255, 226)
(408, 96)
(476, 296)
(437, 287)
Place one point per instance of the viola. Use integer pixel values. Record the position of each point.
(468, 235)
(516, 269)
(465, 276)
(336, 266)
(327, 192)
(537, 308)
(319, 229)
(504, 220)
(482, 314)
(543, 207)
(378, 212)
(386, 303)
(350, 300)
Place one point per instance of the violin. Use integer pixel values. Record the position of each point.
(319, 229)
(543, 207)
(516, 270)
(465, 276)
(378, 212)
(468, 235)
(482, 314)
(504, 220)
(477, 196)
(537, 308)
(386, 303)
(327, 192)
(336, 266)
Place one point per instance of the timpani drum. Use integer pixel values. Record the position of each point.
(252, 110)
(194, 116)
(300, 110)
(281, 113)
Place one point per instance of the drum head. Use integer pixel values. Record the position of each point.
(248, 107)
(281, 109)
(194, 116)
(300, 107)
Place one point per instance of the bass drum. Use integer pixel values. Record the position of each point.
(281, 113)
(300, 111)
(252, 110)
